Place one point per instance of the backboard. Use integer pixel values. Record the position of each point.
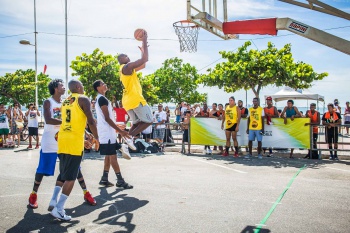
(209, 14)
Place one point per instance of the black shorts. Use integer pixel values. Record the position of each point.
(69, 166)
(332, 135)
(347, 123)
(147, 136)
(33, 131)
(110, 148)
(233, 128)
(185, 136)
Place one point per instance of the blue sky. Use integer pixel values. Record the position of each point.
(109, 26)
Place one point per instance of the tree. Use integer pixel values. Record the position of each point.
(96, 66)
(20, 87)
(255, 69)
(177, 82)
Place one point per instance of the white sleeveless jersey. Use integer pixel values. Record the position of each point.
(48, 141)
(104, 130)
(33, 119)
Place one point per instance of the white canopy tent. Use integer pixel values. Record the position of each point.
(289, 94)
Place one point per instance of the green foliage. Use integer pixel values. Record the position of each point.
(20, 87)
(91, 67)
(177, 82)
(255, 69)
(149, 91)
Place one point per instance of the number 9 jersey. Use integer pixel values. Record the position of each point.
(72, 130)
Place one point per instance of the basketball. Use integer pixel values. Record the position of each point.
(138, 34)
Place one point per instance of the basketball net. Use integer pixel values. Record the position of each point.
(188, 35)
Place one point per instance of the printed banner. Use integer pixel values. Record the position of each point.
(294, 134)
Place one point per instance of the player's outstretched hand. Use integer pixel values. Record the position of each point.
(87, 144)
(125, 134)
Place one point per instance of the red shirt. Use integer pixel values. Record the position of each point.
(120, 114)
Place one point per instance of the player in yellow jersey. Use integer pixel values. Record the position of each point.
(255, 127)
(133, 100)
(75, 111)
(231, 119)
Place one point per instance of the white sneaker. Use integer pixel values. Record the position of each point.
(210, 151)
(60, 214)
(259, 156)
(125, 151)
(130, 143)
(248, 156)
(52, 205)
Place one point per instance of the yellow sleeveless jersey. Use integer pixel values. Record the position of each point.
(72, 130)
(132, 93)
(255, 115)
(230, 116)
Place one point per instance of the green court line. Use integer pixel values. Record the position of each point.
(258, 228)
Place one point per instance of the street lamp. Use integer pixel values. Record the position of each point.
(26, 42)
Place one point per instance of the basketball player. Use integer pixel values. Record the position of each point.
(133, 100)
(75, 110)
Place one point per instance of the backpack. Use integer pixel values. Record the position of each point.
(139, 148)
(154, 147)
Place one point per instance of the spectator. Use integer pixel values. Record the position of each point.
(185, 127)
(270, 112)
(291, 112)
(302, 114)
(337, 109)
(183, 108)
(231, 119)
(244, 111)
(121, 116)
(347, 117)
(167, 111)
(178, 114)
(314, 120)
(16, 122)
(255, 127)
(159, 119)
(331, 120)
(32, 116)
(220, 111)
(4, 124)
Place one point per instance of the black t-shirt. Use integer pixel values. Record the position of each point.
(331, 120)
(102, 101)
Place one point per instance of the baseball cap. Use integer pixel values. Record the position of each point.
(269, 98)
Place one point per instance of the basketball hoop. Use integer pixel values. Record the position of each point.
(188, 35)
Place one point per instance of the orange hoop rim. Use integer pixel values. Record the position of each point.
(182, 22)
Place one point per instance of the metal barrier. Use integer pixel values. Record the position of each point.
(321, 143)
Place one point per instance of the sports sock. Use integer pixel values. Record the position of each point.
(56, 191)
(331, 152)
(119, 176)
(83, 185)
(236, 148)
(61, 202)
(335, 152)
(105, 175)
(227, 148)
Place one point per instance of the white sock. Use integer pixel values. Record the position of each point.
(56, 191)
(61, 202)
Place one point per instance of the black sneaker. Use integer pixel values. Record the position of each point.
(124, 185)
(105, 183)
(336, 158)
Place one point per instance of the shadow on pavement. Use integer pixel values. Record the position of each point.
(250, 229)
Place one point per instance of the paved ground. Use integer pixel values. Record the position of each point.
(178, 193)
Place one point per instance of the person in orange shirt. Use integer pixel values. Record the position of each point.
(314, 120)
(270, 112)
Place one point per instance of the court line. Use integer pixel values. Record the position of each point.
(219, 165)
(338, 169)
(262, 222)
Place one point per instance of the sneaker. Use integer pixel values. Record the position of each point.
(125, 151)
(37, 147)
(130, 143)
(331, 157)
(225, 153)
(32, 201)
(29, 147)
(236, 154)
(205, 151)
(60, 214)
(248, 156)
(336, 158)
(210, 151)
(259, 156)
(269, 155)
(89, 199)
(105, 183)
(52, 205)
(124, 185)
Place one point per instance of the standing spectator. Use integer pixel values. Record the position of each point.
(183, 109)
(331, 120)
(177, 115)
(121, 115)
(255, 127)
(347, 117)
(4, 124)
(218, 114)
(337, 109)
(32, 116)
(231, 119)
(291, 112)
(270, 112)
(220, 111)
(244, 111)
(205, 112)
(314, 120)
(185, 127)
(159, 119)
(167, 111)
(16, 122)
